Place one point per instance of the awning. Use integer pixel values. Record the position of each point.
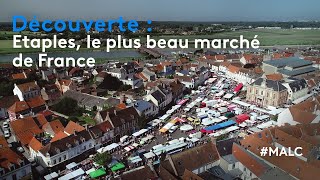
(181, 120)
(108, 148)
(117, 167)
(228, 96)
(123, 138)
(186, 127)
(263, 117)
(129, 148)
(154, 122)
(242, 117)
(135, 159)
(168, 126)
(136, 134)
(71, 165)
(51, 176)
(149, 155)
(238, 88)
(97, 173)
(207, 122)
(73, 174)
(241, 103)
(90, 171)
(206, 131)
(183, 101)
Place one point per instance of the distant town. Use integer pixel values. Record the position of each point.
(167, 114)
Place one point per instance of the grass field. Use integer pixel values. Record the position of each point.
(266, 38)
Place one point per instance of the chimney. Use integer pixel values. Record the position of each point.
(315, 109)
(115, 112)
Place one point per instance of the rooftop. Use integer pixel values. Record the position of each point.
(293, 62)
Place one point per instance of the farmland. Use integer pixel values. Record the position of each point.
(265, 36)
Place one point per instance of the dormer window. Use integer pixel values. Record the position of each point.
(21, 162)
(57, 150)
(76, 142)
(83, 139)
(11, 167)
(68, 145)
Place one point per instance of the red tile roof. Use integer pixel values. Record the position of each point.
(233, 69)
(248, 161)
(141, 76)
(9, 157)
(19, 76)
(3, 142)
(65, 82)
(122, 106)
(35, 144)
(28, 86)
(19, 106)
(298, 168)
(7, 101)
(274, 77)
(72, 127)
(55, 125)
(58, 136)
(41, 119)
(105, 126)
(25, 129)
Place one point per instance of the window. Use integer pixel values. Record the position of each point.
(65, 157)
(24, 172)
(14, 177)
(233, 166)
(59, 159)
(259, 135)
(54, 161)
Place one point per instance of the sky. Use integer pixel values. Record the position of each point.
(163, 10)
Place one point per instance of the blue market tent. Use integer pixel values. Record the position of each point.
(220, 125)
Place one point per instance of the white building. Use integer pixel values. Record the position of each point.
(74, 145)
(303, 113)
(27, 90)
(161, 96)
(13, 166)
(146, 108)
(297, 88)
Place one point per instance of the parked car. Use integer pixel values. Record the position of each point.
(20, 149)
(7, 134)
(173, 129)
(5, 125)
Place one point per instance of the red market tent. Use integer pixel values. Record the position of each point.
(206, 131)
(183, 101)
(242, 117)
(203, 104)
(181, 120)
(238, 88)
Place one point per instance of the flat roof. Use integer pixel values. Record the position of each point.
(293, 62)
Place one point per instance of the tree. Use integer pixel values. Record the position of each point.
(110, 83)
(6, 87)
(124, 87)
(142, 121)
(275, 118)
(69, 107)
(102, 158)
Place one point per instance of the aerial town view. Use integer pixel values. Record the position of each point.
(160, 113)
